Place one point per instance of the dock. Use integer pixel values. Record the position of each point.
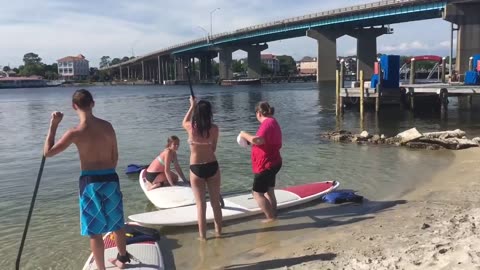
(409, 96)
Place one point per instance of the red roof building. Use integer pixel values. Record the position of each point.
(73, 67)
(271, 61)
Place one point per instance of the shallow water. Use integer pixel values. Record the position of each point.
(144, 116)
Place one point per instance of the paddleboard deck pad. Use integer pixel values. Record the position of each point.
(142, 244)
(237, 206)
(167, 197)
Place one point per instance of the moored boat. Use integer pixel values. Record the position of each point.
(22, 82)
(241, 82)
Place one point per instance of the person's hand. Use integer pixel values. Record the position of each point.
(192, 101)
(56, 118)
(242, 135)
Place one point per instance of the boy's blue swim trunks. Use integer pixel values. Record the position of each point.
(101, 207)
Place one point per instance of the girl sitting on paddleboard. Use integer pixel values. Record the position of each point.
(266, 158)
(158, 173)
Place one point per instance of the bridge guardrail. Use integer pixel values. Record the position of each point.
(285, 22)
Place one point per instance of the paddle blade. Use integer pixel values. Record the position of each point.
(134, 168)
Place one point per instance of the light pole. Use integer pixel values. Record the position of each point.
(211, 15)
(133, 45)
(206, 32)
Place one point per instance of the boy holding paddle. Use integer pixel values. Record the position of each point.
(101, 207)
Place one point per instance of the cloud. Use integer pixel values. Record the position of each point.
(403, 47)
(57, 28)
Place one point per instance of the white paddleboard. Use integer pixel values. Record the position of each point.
(167, 197)
(146, 252)
(236, 206)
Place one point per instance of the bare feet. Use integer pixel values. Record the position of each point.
(150, 187)
(269, 220)
(218, 235)
(117, 263)
(202, 239)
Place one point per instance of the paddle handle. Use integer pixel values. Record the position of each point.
(32, 204)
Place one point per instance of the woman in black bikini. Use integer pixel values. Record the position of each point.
(204, 170)
(158, 173)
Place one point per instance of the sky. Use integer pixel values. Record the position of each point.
(57, 28)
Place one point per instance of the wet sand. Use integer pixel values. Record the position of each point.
(436, 226)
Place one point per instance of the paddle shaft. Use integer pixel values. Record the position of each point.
(189, 81)
(32, 204)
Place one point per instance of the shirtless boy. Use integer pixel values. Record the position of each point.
(101, 207)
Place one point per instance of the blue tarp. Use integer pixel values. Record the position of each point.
(471, 78)
(390, 65)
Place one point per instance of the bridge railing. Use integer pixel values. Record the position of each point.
(286, 22)
(315, 16)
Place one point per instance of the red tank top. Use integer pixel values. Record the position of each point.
(267, 155)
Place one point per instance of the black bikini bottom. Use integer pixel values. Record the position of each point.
(205, 170)
(150, 176)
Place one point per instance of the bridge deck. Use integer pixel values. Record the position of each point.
(365, 15)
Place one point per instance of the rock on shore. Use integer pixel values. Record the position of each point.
(412, 138)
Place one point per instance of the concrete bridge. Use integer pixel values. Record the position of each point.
(363, 22)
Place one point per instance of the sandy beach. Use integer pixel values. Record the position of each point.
(433, 227)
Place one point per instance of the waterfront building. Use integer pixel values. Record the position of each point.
(73, 68)
(271, 61)
(307, 66)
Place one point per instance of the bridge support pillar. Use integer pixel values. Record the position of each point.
(206, 68)
(225, 67)
(466, 16)
(204, 63)
(327, 53)
(180, 63)
(367, 48)
(254, 60)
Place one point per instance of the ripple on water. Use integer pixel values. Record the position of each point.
(145, 116)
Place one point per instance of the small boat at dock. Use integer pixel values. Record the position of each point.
(241, 82)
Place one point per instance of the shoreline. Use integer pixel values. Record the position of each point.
(432, 227)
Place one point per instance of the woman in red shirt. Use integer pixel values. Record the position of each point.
(266, 159)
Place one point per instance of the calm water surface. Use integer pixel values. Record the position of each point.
(144, 116)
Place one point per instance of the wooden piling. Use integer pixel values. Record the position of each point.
(342, 74)
(444, 66)
(379, 88)
(341, 106)
(412, 102)
(443, 95)
(337, 93)
(362, 93)
(412, 71)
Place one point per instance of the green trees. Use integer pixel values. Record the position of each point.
(51, 71)
(32, 65)
(287, 65)
(239, 66)
(106, 61)
(266, 70)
